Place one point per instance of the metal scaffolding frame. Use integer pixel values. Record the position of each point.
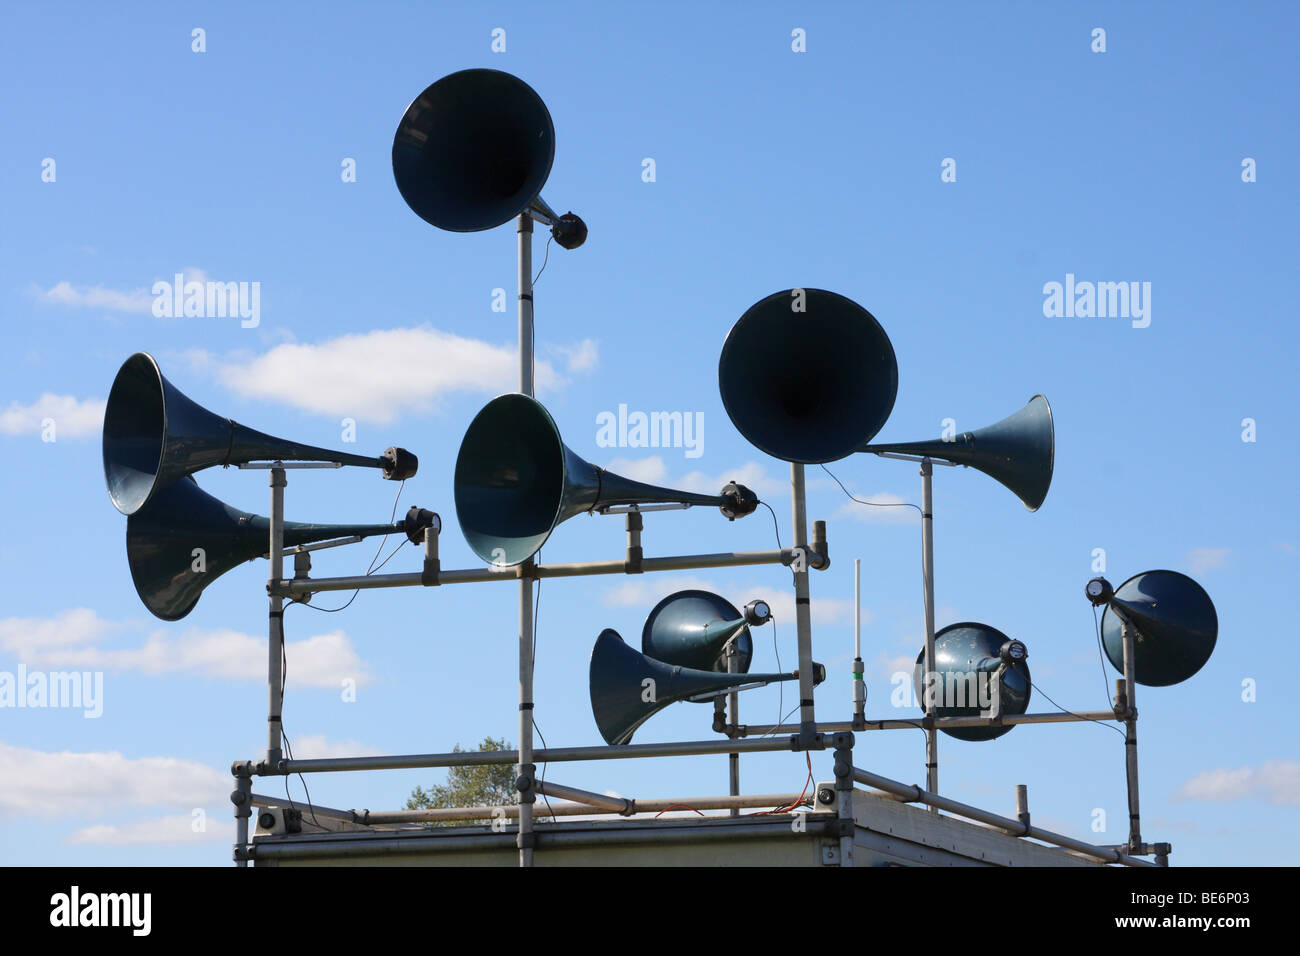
(801, 557)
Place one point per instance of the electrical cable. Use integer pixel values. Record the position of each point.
(370, 570)
(874, 504)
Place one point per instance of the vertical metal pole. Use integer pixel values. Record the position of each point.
(927, 572)
(275, 651)
(1131, 737)
(859, 686)
(242, 798)
(526, 838)
(733, 710)
(802, 608)
(844, 796)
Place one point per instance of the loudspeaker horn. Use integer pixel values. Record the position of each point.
(808, 376)
(1177, 626)
(966, 657)
(474, 150)
(516, 480)
(692, 628)
(184, 539)
(1018, 452)
(154, 434)
(628, 688)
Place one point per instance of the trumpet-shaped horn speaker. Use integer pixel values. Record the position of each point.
(691, 629)
(184, 539)
(628, 688)
(1017, 452)
(474, 150)
(808, 376)
(154, 434)
(966, 657)
(1177, 627)
(516, 480)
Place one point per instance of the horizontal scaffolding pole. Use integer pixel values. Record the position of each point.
(596, 801)
(717, 830)
(308, 809)
(289, 587)
(903, 723)
(909, 793)
(567, 809)
(497, 757)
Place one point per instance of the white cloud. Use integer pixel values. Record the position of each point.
(581, 357)
(379, 375)
(651, 470)
(28, 637)
(72, 417)
(70, 641)
(170, 829)
(1207, 559)
(1277, 782)
(38, 783)
(317, 747)
(96, 297)
(901, 663)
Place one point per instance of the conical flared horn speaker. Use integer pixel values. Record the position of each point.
(154, 434)
(184, 539)
(808, 376)
(628, 688)
(691, 629)
(966, 656)
(1018, 452)
(474, 150)
(516, 480)
(1177, 627)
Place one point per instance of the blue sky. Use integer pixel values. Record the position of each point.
(773, 169)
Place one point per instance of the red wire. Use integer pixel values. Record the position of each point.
(802, 794)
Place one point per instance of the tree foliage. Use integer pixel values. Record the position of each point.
(485, 786)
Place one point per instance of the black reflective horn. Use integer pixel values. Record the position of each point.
(692, 628)
(808, 376)
(183, 539)
(1177, 626)
(967, 656)
(154, 434)
(627, 688)
(474, 150)
(1018, 452)
(516, 481)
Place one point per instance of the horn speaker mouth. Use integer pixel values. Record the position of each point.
(808, 379)
(473, 150)
(510, 480)
(135, 432)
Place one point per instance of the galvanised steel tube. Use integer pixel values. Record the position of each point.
(329, 813)
(914, 794)
(927, 572)
(591, 800)
(275, 643)
(367, 817)
(554, 755)
(1060, 717)
(718, 830)
(688, 562)
(524, 245)
(802, 604)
